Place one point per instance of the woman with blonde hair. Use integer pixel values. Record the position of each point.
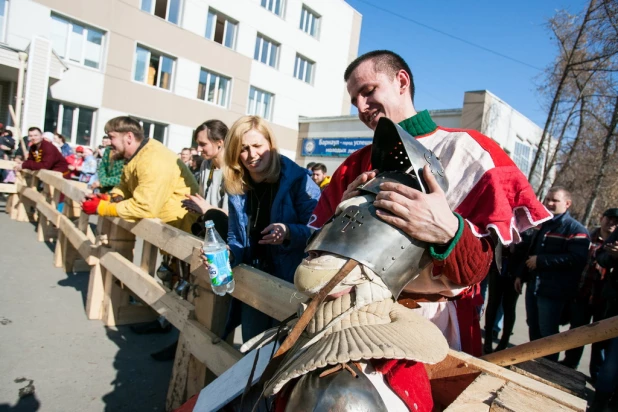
(271, 201)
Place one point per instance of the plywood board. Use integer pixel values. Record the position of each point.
(478, 396)
(514, 398)
(233, 381)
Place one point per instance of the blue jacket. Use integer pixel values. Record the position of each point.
(561, 247)
(295, 200)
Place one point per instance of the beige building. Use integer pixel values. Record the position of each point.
(329, 140)
(174, 63)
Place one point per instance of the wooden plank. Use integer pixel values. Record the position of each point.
(217, 355)
(49, 212)
(176, 393)
(553, 374)
(73, 191)
(8, 188)
(32, 195)
(115, 297)
(514, 398)
(52, 178)
(148, 263)
(96, 293)
(478, 396)
(7, 164)
(459, 367)
(79, 240)
(148, 289)
(167, 238)
(572, 338)
(125, 224)
(232, 382)
(273, 296)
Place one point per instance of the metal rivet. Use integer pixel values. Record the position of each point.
(383, 269)
(403, 247)
(393, 258)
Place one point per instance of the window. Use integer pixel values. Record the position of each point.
(153, 130)
(260, 103)
(303, 69)
(213, 88)
(266, 51)
(221, 29)
(153, 68)
(4, 11)
(276, 6)
(309, 22)
(75, 123)
(524, 156)
(77, 42)
(166, 9)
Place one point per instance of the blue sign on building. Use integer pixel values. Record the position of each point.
(333, 147)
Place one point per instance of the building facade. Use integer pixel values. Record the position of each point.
(329, 140)
(175, 63)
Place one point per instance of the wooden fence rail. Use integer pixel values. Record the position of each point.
(107, 253)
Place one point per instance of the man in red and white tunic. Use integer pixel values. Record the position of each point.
(488, 195)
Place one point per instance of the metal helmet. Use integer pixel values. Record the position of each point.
(357, 232)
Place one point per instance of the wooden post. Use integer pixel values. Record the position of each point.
(45, 230)
(121, 241)
(574, 338)
(189, 375)
(69, 254)
(96, 288)
(149, 258)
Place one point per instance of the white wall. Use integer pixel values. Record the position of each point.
(26, 19)
(330, 51)
(80, 85)
(187, 72)
(178, 137)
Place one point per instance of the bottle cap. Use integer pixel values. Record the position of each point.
(209, 223)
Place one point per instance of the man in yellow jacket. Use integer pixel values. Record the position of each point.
(153, 183)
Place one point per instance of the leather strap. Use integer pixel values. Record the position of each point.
(313, 306)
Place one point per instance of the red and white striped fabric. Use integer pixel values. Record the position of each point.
(485, 187)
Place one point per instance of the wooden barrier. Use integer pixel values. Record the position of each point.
(122, 292)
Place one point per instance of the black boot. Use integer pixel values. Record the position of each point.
(166, 353)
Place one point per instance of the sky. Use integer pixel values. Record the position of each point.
(444, 68)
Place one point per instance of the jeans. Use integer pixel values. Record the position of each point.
(543, 316)
(607, 379)
(498, 323)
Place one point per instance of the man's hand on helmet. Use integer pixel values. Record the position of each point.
(351, 191)
(426, 217)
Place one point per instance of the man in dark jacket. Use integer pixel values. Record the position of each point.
(557, 254)
(43, 155)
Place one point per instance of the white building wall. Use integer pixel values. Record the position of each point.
(178, 137)
(26, 19)
(80, 85)
(186, 74)
(329, 51)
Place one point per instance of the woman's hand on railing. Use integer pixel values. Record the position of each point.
(196, 204)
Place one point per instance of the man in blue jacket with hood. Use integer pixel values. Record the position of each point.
(556, 257)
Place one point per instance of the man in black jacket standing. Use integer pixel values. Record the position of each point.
(557, 255)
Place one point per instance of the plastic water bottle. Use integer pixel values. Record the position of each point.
(217, 255)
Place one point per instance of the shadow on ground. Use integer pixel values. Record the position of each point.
(26, 404)
(141, 383)
(78, 281)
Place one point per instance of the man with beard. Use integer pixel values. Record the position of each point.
(489, 200)
(153, 182)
